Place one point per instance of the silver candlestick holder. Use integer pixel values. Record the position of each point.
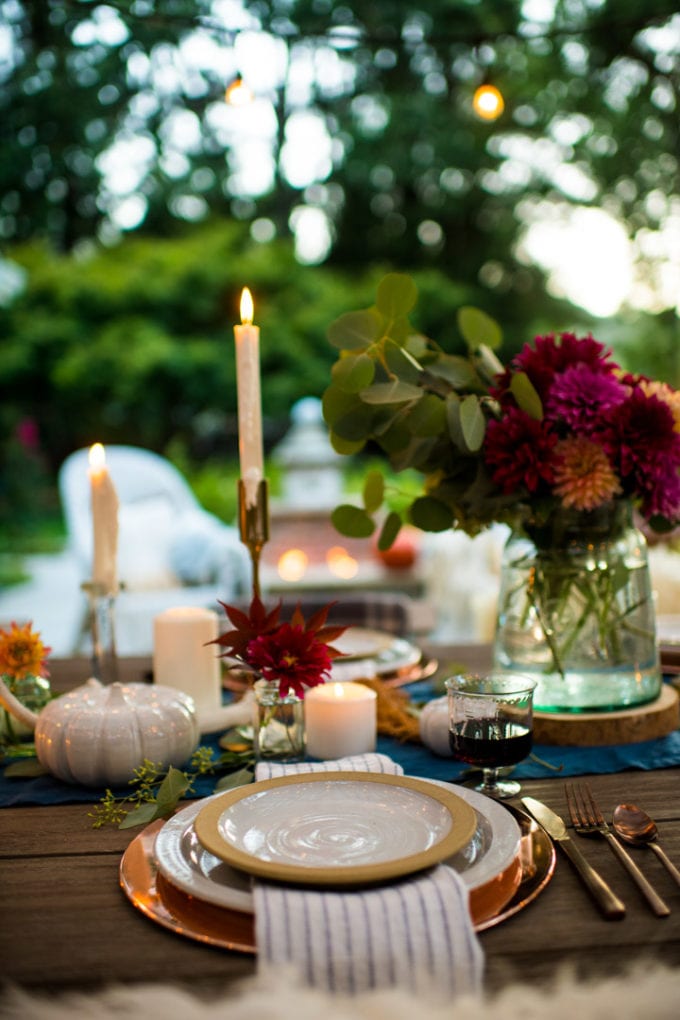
(254, 526)
(102, 604)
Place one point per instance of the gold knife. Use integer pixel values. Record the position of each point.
(611, 906)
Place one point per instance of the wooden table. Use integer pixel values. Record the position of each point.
(67, 925)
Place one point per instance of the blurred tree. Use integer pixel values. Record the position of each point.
(112, 117)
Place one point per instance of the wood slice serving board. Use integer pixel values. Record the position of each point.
(627, 726)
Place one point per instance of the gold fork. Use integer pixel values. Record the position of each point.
(588, 820)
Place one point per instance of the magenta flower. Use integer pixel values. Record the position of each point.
(583, 399)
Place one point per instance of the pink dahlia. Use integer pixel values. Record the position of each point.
(519, 452)
(583, 399)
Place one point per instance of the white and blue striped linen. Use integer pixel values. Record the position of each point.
(414, 933)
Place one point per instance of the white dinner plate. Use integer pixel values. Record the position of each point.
(335, 828)
(186, 864)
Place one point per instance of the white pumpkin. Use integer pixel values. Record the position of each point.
(434, 726)
(98, 736)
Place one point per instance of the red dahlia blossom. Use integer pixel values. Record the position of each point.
(519, 452)
(298, 654)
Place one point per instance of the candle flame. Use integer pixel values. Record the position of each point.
(338, 690)
(97, 457)
(247, 307)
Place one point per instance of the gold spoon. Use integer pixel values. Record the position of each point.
(635, 826)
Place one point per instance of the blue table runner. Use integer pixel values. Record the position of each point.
(415, 759)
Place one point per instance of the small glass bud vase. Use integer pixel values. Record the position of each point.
(278, 724)
(32, 691)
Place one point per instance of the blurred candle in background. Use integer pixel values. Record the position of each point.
(247, 338)
(340, 719)
(104, 521)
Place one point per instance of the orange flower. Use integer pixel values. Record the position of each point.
(22, 652)
(584, 478)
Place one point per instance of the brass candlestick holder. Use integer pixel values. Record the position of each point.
(102, 617)
(254, 526)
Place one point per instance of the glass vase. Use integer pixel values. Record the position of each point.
(278, 725)
(32, 691)
(576, 611)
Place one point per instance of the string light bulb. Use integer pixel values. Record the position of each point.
(487, 102)
(238, 93)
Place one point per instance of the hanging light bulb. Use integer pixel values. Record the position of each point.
(238, 93)
(487, 102)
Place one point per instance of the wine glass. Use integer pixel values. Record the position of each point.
(490, 726)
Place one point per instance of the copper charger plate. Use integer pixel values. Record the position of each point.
(186, 915)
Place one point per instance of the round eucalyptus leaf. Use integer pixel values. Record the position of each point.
(428, 417)
(355, 331)
(478, 328)
(373, 491)
(352, 521)
(401, 363)
(430, 514)
(355, 425)
(336, 403)
(353, 372)
(455, 370)
(396, 295)
(347, 447)
(453, 421)
(394, 392)
(473, 422)
(525, 394)
(389, 531)
(417, 345)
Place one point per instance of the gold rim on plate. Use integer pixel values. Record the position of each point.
(209, 826)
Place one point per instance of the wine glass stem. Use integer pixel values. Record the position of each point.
(489, 780)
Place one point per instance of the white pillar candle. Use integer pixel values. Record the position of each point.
(182, 659)
(340, 719)
(249, 399)
(104, 501)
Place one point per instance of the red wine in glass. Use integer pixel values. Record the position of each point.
(487, 748)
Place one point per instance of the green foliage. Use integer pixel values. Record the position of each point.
(156, 793)
(426, 411)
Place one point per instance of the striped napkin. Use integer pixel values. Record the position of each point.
(415, 932)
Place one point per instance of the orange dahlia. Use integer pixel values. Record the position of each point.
(584, 477)
(22, 652)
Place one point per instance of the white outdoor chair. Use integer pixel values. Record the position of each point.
(171, 552)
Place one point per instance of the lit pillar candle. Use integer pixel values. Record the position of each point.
(182, 659)
(340, 719)
(247, 338)
(104, 521)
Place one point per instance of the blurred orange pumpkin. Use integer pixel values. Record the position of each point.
(403, 552)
